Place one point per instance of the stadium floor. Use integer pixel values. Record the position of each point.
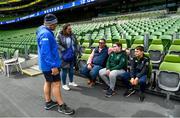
(21, 96)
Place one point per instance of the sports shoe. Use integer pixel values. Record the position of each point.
(66, 87)
(110, 93)
(106, 88)
(129, 92)
(73, 84)
(50, 105)
(141, 96)
(65, 109)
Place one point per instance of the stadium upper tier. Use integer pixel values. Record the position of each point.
(3, 2)
(21, 6)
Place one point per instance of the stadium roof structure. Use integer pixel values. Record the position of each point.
(16, 6)
(44, 11)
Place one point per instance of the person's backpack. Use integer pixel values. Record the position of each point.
(68, 55)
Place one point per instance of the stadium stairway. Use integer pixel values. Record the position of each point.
(32, 71)
(29, 67)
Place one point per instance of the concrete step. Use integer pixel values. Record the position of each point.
(35, 67)
(32, 71)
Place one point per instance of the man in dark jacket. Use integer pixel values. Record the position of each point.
(49, 63)
(96, 61)
(138, 74)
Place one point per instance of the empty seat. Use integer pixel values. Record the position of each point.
(95, 44)
(169, 75)
(86, 44)
(138, 40)
(175, 47)
(166, 41)
(156, 54)
(85, 55)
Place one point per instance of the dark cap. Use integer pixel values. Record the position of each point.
(50, 19)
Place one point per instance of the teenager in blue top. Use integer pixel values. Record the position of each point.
(49, 63)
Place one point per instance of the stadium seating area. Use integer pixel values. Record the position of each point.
(162, 35)
(91, 85)
(23, 40)
(18, 40)
(151, 14)
(159, 36)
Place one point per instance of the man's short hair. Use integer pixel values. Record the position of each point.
(140, 48)
(103, 40)
(118, 44)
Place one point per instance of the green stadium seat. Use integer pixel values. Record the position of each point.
(138, 40)
(169, 75)
(157, 42)
(170, 32)
(115, 38)
(158, 34)
(109, 45)
(156, 53)
(85, 57)
(87, 51)
(95, 43)
(129, 41)
(166, 41)
(86, 44)
(175, 47)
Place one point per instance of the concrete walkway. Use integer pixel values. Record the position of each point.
(22, 96)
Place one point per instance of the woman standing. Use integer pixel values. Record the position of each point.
(69, 50)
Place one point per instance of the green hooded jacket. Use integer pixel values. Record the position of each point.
(117, 61)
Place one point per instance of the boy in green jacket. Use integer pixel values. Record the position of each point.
(115, 66)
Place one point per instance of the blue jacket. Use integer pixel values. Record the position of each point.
(48, 55)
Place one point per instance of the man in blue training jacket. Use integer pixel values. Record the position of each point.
(49, 63)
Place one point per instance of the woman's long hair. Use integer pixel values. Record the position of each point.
(64, 30)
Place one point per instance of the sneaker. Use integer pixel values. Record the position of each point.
(129, 92)
(73, 84)
(110, 93)
(65, 109)
(50, 105)
(141, 97)
(66, 87)
(106, 88)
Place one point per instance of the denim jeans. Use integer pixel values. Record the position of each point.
(68, 71)
(142, 81)
(91, 74)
